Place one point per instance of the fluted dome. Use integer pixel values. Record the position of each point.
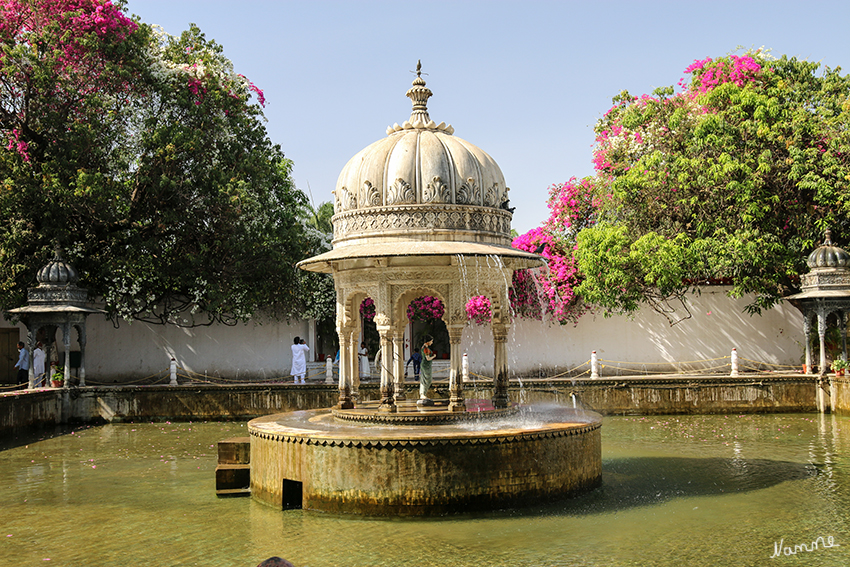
(421, 182)
(828, 255)
(57, 271)
(421, 192)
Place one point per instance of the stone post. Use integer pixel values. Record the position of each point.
(465, 368)
(734, 363)
(456, 402)
(500, 366)
(398, 363)
(824, 387)
(172, 369)
(594, 366)
(384, 331)
(329, 370)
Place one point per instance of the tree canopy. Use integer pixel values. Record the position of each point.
(145, 157)
(732, 177)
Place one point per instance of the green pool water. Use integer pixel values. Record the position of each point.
(677, 490)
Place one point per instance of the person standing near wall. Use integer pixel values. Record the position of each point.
(23, 364)
(38, 358)
(299, 360)
(363, 356)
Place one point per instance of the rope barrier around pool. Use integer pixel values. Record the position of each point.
(593, 368)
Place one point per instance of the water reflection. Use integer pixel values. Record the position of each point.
(648, 481)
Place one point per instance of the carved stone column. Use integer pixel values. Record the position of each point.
(382, 322)
(345, 366)
(456, 401)
(28, 348)
(398, 363)
(807, 332)
(822, 337)
(500, 365)
(66, 340)
(81, 338)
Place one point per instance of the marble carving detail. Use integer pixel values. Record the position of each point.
(400, 193)
(436, 191)
(467, 193)
(449, 217)
(491, 196)
(347, 201)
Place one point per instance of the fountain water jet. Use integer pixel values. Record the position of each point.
(411, 211)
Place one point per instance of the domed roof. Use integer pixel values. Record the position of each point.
(421, 192)
(421, 168)
(828, 256)
(57, 271)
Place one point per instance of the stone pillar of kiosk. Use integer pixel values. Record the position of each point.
(807, 333)
(456, 401)
(822, 340)
(385, 331)
(81, 339)
(66, 342)
(398, 363)
(500, 366)
(354, 372)
(345, 368)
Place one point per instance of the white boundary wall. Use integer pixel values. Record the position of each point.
(718, 325)
(137, 350)
(262, 350)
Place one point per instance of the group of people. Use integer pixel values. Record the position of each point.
(39, 358)
(421, 364)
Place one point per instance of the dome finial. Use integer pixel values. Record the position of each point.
(827, 237)
(419, 94)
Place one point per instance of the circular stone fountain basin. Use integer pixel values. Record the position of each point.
(433, 463)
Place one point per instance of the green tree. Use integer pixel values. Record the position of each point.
(319, 292)
(733, 178)
(145, 157)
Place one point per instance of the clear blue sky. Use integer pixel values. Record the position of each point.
(523, 80)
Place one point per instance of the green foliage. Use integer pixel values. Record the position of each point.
(620, 272)
(319, 293)
(735, 179)
(156, 175)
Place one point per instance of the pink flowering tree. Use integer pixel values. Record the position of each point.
(551, 291)
(733, 175)
(145, 156)
(573, 207)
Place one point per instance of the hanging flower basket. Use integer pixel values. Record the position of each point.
(425, 308)
(367, 308)
(478, 309)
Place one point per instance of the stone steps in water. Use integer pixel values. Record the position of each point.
(233, 473)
